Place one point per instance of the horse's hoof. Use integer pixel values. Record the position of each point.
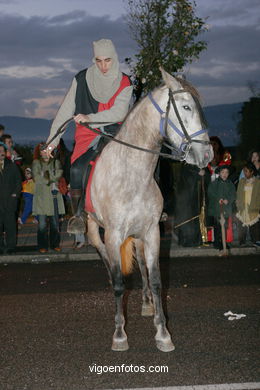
(165, 346)
(120, 345)
(147, 310)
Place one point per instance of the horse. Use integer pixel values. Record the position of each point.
(127, 201)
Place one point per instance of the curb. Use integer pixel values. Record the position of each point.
(174, 252)
(211, 252)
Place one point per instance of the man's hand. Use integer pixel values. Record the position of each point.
(81, 118)
(49, 150)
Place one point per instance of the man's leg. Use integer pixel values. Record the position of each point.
(1, 232)
(79, 177)
(42, 233)
(10, 229)
(54, 233)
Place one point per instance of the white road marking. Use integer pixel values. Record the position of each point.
(224, 386)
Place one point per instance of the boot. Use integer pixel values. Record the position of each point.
(78, 222)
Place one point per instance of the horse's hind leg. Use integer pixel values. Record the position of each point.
(113, 243)
(151, 250)
(147, 304)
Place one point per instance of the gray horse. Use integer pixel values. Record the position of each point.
(128, 203)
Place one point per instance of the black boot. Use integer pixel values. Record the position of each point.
(78, 222)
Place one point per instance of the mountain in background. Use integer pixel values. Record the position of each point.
(222, 122)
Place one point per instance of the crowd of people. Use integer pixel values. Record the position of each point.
(43, 191)
(205, 197)
(99, 97)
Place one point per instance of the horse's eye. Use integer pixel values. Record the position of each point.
(187, 108)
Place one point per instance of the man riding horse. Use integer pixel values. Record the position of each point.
(99, 95)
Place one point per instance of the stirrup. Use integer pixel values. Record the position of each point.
(164, 217)
(77, 224)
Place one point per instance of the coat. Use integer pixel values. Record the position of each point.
(43, 199)
(221, 189)
(10, 183)
(254, 206)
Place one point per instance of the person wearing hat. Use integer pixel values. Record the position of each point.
(10, 188)
(221, 197)
(28, 186)
(100, 95)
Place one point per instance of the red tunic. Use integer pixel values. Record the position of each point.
(83, 135)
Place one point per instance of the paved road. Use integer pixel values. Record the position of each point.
(57, 324)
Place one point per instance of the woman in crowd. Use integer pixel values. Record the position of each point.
(254, 158)
(47, 202)
(248, 205)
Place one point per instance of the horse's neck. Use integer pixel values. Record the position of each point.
(141, 130)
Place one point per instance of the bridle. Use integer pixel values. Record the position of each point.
(179, 153)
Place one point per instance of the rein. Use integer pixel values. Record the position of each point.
(62, 128)
(176, 153)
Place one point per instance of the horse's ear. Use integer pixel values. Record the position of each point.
(169, 80)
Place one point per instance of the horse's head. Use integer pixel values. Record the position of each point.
(183, 124)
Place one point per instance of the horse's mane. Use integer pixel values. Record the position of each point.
(196, 96)
(189, 87)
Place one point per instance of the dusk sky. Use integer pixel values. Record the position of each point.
(43, 44)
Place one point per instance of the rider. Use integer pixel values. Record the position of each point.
(101, 93)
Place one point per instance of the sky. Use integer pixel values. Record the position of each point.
(43, 44)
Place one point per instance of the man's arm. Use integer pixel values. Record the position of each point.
(65, 112)
(116, 113)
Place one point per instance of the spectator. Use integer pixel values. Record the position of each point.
(189, 200)
(47, 201)
(2, 130)
(253, 157)
(248, 205)
(27, 193)
(11, 152)
(221, 157)
(221, 196)
(10, 184)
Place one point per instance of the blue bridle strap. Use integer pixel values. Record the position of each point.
(162, 121)
(170, 123)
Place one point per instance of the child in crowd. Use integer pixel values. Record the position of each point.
(11, 152)
(221, 196)
(254, 158)
(248, 205)
(27, 193)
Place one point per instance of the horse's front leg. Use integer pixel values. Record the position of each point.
(151, 250)
(147, 304)
(112, 243)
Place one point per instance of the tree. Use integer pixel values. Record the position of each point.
(166, 32)
(249, 126)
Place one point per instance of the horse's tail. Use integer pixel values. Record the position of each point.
(127, 256)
